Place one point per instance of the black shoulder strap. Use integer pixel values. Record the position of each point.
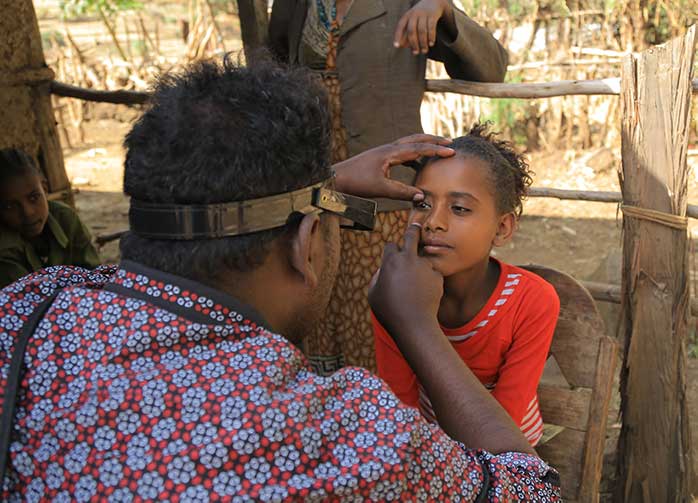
(485, 489)
(14, 380)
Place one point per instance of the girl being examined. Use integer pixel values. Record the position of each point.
(500, 318)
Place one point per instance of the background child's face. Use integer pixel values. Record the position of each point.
(23, 205)
(459, 217)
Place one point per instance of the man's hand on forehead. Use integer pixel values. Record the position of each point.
(367, 174)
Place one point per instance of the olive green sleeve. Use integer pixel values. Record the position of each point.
(79, 249)
(11, 270)
(83, 252)
(473, 55)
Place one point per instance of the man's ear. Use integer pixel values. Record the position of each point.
(505, 231)
(304, 252)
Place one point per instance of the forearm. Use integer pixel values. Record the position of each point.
(463, 407)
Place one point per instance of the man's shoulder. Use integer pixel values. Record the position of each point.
(44, 282)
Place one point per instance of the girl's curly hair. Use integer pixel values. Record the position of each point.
(508, 169)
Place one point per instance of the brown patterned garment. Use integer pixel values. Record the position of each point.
(345, 335)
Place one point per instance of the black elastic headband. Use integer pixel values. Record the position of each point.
(211, 221)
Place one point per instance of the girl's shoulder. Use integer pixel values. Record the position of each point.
(527, 284)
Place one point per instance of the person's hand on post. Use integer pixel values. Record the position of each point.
(367, 174)
(417, 27)
(407, 290)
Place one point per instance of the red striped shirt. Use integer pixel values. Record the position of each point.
(505, 345)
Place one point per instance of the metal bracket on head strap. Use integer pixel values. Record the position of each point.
(211, 221)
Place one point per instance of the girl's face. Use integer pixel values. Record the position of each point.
(459, 217)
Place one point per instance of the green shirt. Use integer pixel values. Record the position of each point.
(64, 241)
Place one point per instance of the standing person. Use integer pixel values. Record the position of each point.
(176, 375)
(499, 318)
(36, 232)
(371, 56)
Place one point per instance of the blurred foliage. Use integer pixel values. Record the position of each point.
(638, 22)
(510, 115)
(52, 35)
(224, 6)
(76, 8)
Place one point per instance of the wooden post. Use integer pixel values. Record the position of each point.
(26, 116)
(655, 444)
(254, 24)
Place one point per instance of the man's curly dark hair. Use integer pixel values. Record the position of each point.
(508, 170)
(220, 133)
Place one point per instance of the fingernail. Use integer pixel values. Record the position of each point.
(417, 224)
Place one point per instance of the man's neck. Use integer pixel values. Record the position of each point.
(261, 290)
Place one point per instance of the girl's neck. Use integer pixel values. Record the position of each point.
(467, 292)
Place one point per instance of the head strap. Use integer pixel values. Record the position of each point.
(211, 221)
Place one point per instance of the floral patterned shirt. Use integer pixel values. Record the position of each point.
(139, 385)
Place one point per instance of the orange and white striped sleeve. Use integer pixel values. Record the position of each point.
(520, 373)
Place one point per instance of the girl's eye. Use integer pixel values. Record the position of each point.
(421, 205)
(34, 198)
(460, 209)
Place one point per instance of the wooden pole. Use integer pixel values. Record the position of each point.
(537, 90)
(254, 24)
(26, 114)
(599, 196)
(530, 90)
(120, 96)
(526, 91)
(654, 462)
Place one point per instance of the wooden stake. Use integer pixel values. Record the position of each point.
(654, 462)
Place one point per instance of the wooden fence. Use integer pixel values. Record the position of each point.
(655, 91)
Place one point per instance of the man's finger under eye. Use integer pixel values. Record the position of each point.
(412, 238)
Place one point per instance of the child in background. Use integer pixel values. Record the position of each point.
(35, 232)
(499, 318)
